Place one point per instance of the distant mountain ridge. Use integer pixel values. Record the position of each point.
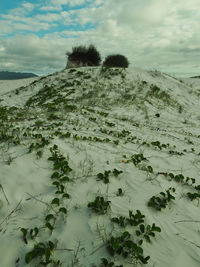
(8, 75)
(195, 76)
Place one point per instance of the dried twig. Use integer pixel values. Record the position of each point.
(43, 202)
(94, 251)
(4, 194)
(14, 210)
(67, 249)
(187, 221)
(188, 241)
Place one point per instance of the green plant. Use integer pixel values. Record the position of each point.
(99, 205)
(106, 263)
(148, 231)
(175, 153)
(118, 61)
(123, 245)
(59, 161)
(32, 233)
(193, 196)
(105, 176)
(137, 158)
(179, 178)
(133, 219)
(120, 192)
(110, 124)
(161, 200)
(43, 251)
(40, 142)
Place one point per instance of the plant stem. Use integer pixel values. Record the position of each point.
(4, 194)
(15, 209)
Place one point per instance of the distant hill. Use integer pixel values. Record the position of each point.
(8, 75)
(195, 77)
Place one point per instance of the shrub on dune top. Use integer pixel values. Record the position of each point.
(86, 56)
(116, 61)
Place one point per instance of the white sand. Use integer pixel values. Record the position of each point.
(81, 235)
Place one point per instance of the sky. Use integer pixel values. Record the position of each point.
(153, 34)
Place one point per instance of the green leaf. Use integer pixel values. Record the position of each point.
(55, 201)
(49, 217)
(48, 225)
(119, 191)
(140, 242)
(197, 187)
(129, 244)
(28, 257)
(150, 169)
(162, 193)
(34, 232)
(104, 261)
(156, 229)
(55, 147)
(147, 238)
(152, 234)
(45, 263)
(55, 175)
(51, 245)
(143, 260)
(24, 231)
(115, 219)
(65, 195)
(100, 176)
(47, 253)
(56, 183)
(64, 210)
(65, 179)
(142, 228)
(126, 234)
(138, 233)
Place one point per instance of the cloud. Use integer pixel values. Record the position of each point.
(150, 33)
(11, 24)
(56, 5)
(25, 8)
(35, 54)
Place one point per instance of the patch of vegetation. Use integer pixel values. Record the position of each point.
(193, 196)
(105, 176)
(137, 158)
(40, 142)
(124, 246)
(107, 263)
(116, 61)
(99, 205)
(87, 56)
(161, 200)
(43, 252)
(133, 219)
(179, 178)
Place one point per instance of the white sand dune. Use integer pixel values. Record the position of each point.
(59, 132)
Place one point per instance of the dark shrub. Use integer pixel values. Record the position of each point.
(116, 61)
(87, 56)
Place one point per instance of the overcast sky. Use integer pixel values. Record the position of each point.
(152, 34)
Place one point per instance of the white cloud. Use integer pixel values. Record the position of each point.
(56, 5)
(49, 17)
(150, 33)
(28, 6)
(11, 24)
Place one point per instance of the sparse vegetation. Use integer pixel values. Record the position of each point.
(86, 150)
